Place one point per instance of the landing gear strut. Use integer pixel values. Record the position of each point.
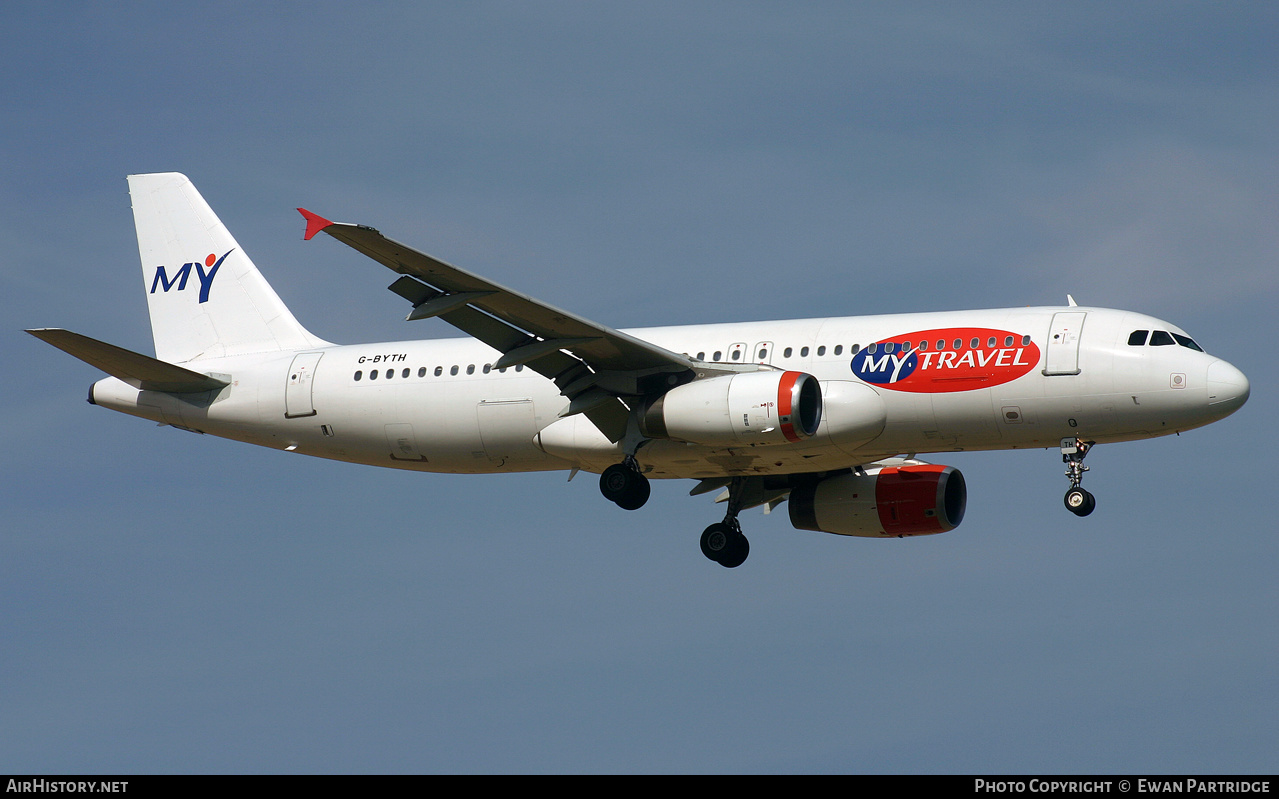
(1077, 500)
(724, 542)
(624, 484)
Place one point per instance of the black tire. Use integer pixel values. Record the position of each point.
(614, 481)
(1090, 505)
(636, 494)
(716, 541)
(725, 545)
(1079, 502)
(624, 486)
(739, 549)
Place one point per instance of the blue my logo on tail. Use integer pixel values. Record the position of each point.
(184, 273)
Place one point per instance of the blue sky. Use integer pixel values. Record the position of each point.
(173, 603)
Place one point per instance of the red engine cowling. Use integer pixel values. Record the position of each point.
(748, 408)
(890, 501)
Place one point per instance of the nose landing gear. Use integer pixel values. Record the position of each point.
(1077, 500)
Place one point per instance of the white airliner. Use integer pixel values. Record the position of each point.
(826, 413)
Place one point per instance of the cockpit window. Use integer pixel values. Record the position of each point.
(1187, 342)
(1137, 338)
(1161, 338)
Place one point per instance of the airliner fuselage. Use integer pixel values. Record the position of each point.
(440, 406)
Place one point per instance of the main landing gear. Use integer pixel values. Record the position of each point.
(624, 484)
(724, 542)
(1078, 501)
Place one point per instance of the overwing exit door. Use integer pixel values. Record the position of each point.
(764, 352)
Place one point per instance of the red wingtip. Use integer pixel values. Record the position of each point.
(314, 223)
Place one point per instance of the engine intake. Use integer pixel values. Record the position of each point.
(889, 501)
(768, 407)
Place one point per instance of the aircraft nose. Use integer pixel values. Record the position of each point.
(1228, 387)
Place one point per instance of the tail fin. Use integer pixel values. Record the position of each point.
(205, 297)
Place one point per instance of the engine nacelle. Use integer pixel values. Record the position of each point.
(890, 501)
(745, 408)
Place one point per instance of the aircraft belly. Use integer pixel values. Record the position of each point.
(666, 459)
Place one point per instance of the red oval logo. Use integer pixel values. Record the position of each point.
(946, 359)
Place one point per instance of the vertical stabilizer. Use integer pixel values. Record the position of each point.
(205, 297)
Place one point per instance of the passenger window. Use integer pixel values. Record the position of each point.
(1137, 338)
(520, 368)
(853, 350)
(488, 367)
(1161, 338)
(717, 355)
(737, 354)
(923, 346)
(1008, 341)
(470, 369)
(701, 356)
(373, 374)
(890, 347)
(906, 346)
(839, 349)
(959, 343)
(405, 373)
(452, 370)
(873, 348)
(421, 372)
(390, 373)
(1025, 341)
(975, 343)
(941, 343)
(358, 375)
(439, 370)
(990, 342)
(803, 352)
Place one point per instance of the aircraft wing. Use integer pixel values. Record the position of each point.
(525, 330)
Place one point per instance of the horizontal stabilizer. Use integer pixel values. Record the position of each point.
(140, 371)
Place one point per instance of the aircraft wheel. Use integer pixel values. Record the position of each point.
(724, 545)
(1080, 502)
(738, 551)
(623, 485)
(715, 541)
(636, 493)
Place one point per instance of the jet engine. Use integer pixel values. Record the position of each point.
(886, 501)
(746, 408)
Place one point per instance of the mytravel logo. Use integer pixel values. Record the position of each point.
(947, 359)
(180, 278)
